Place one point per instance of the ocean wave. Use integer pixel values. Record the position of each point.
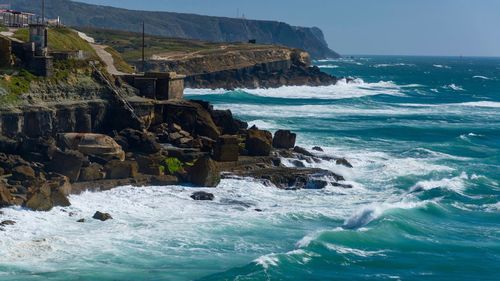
(441, 66)
(482, 77)
(492, 104)
(371, 212)
(456, 184)
(454, 87)
(328, 66)
(392, 65)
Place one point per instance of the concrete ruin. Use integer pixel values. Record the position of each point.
(158, 85)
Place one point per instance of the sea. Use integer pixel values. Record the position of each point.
(423, 135)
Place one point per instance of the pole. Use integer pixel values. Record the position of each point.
(43, 11)
(143, 47)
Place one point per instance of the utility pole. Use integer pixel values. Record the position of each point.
(143, 47)
(43, 11)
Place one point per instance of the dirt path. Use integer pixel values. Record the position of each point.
(107, 58)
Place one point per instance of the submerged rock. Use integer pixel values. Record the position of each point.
(317, 148)
(202, 196)
(344, 162)
(102, 216)
(303, 151)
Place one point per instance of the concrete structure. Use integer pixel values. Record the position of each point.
(11, 18)
(158, 85)
(38, 35)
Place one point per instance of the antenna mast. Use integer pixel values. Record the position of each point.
(143, 47)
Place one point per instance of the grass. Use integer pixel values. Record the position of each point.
(119, 62)
(61, 39)
(129, 44)
(14, 85)
(171, 165)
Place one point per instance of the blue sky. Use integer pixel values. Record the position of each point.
(385, 27)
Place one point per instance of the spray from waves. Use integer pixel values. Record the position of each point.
(456, 184)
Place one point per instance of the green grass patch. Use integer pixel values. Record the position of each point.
(119, 62)
(12, 86)
(172, 165)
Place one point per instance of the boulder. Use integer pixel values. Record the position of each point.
(102, 216)
(94, 145)
(138, 141)
(226, 122)
(40, 200)
(317, 148)
(52, 193)
(23, 173)
(343, 162)
(227, 149)
(204, 172)
(194, 117)
(116, 169)
(164, 180)
(150, 164)
(8, 145)
(202, 196)
(5, 196)
(303, 151)
(93, 172)
(67, 163)
(258, 142)
(284, 139)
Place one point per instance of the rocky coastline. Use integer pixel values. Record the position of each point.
(194, 145)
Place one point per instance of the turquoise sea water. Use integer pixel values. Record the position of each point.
(423, 135)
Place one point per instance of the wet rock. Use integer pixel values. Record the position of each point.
(227, 149)
(202, 196)
(102, 216)
(227, 124)
(346, 186)
(52, 193)
(204, 172)
(116, 169)
(258, 210)
(344, 162)
(303, 151)
(298, 164)
(284, 139)
(316, 184)
(7, 222)
(67, 163)
(93, 172)
(317, 148)
(258, 142)
(81, 220)
(8, 145)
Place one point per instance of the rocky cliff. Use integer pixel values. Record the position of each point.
(217, 29)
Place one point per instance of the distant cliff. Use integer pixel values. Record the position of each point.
(189, 26)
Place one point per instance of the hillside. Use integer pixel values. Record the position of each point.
(190, 26)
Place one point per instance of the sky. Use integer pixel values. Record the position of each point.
(370, 27)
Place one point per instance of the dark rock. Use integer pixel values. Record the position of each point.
(92, 145)
(303, 151)
(194, 117)
(164, 180)
(227, 149)
(8, 145)
(102, 216)
(258, 210)
(227, 124)
(204, 172)
(203, 196)
(346, 186)
(52, 193)
(298, 164)
(344, 162)
(316, 184)
(317, 148)
(258, 142)
(284, 139)
(7, 222)
(93, 172)
(23, 173)
(81, 220)
(137, 141)
(150, 164)
(116, 169)
(67, 163)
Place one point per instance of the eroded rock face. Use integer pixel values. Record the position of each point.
(138, 141)
(193, 116)
(67, 163)
(227, 149)
(93, 172)
(259, 142)
(227, 124)
(116, 169)
(50, 194)
(284, 139)
(204, 173)
(5, 196)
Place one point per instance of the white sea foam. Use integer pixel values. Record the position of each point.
(441, 66)
(189, 91)
(456, 184)
(482, 77)
(392, 65)
(328, 66)
(267, 261)
(356, 252)
(454, 87)
(492, 104)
